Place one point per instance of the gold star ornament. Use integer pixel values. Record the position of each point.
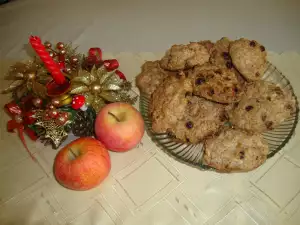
(100, 87)
(27, 76)
(51, 130)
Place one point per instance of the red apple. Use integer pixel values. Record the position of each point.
(119, 126)
(82, 164)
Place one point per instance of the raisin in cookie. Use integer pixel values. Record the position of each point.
(220, 53)
(202, 119)
(150, 77)
(168, 103)
(220, 57)
(235, 150)
(263, 107)
(249, 58)
(217, 84)
(180, 57)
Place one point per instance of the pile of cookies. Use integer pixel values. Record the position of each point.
(198, 89)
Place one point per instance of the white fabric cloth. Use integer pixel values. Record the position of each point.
(147, 25)
(146, 186)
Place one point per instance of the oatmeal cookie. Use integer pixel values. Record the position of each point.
(216, 84)
(263, 107)
(249, 58)
(168, 103)
(150, 77)
(220, 57)
(202, 119)
(208, 45)
(220, 53)
(180, 57)
(235, 150)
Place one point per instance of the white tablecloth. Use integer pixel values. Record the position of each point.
(146, 186)
(147, 25)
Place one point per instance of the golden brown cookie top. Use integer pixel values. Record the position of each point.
(168, 102)
(220, 53)
(201, 120)
(217, 84)
(249, 58)
(235, 150)
(150, 77)
(181, 57)
(263, 107)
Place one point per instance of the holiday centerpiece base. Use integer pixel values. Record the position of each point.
(61, 91)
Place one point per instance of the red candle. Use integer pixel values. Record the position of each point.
(52, 66)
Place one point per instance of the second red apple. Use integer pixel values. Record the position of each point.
(119, 126)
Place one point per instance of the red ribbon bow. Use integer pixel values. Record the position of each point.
(95, 58)
(95, 55)
(20, 122)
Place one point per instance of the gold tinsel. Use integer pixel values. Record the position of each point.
(27, 76)
(69, 54)
(72, 52)
(50, 129)
(101, 87)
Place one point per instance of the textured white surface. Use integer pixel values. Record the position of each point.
(145, 186)
(148, 187)
(148, 25)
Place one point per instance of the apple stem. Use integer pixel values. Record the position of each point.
(113, 115)
(73, 153)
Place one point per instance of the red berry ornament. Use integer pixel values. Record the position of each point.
(111, 64)
(37, 102)
(120, 74)
(96, 54)
(78, 102)
(55, 102)
(47, 116)
(64, 115)
(61, 120)
(53, 113)
(50, 106)
(60, 45)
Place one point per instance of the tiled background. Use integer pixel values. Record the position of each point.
(146, 186)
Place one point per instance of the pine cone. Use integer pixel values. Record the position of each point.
(83, 124)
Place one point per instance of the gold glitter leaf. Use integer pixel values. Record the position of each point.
(111, 96)
(93, 74)
(39, 89)
(104, 77)
(127, 98)
(89, 98)
(18, 76)
(100, 73)
(17, 70)
(78, 88)
(98, 104)
(14, 85)
(113, 79)
(100, 87)
(19, 92)
(83, 77)
(110, 87)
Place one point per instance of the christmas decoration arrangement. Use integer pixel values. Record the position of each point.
(61, 91)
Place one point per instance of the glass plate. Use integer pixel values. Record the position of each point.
(191, 154)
